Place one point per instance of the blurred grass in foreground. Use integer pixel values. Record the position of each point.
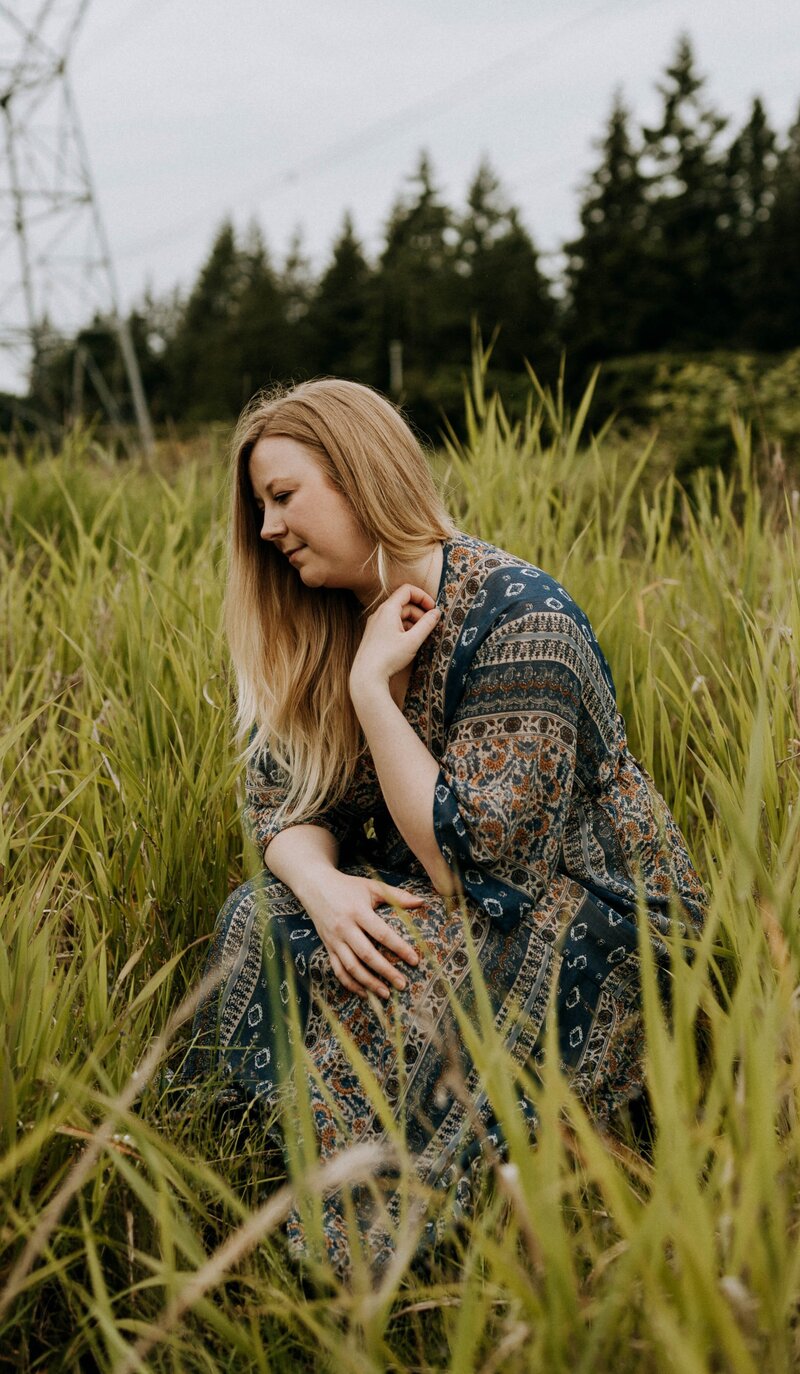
(119, 840)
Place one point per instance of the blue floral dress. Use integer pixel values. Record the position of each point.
(553, 828)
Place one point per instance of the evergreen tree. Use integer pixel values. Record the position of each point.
(153, 327)
(296, 285)
(775, 322)
(261, 336)
(74, 378)
(612, 302)
(341, 311)
(687, 193)
(86, 376)
(750, 178)
(500, 280)
(750, 169)
(232, 335)
(416, 281)
(199, 357)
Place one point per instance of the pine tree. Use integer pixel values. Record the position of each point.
(232, 336)
(776, 320)
(612, 291)
(198, 356)
(750, 167)
(341, 309)
(296, 285)
(261, 336)
(416, 280)
(499, 279)
(687, 191)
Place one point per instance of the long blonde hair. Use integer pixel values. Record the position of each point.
(292, 646)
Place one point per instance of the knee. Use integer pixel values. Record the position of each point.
(264, 890)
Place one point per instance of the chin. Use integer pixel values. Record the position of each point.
(310, 578)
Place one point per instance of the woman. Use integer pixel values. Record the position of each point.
(432, 718)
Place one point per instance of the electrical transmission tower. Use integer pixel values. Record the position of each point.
(56, 272)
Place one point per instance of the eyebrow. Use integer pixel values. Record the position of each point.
(275, 482)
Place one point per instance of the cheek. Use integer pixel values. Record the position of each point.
(349, 522)
(340, 525)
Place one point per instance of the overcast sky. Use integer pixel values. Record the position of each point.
(291, 113)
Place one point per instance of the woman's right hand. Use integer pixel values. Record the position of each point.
(342, 908)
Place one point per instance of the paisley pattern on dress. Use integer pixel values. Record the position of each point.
(554, 830)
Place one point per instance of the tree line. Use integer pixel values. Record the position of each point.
(689, 241)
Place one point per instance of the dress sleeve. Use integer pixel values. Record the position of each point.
(266, 785)
(505, 780)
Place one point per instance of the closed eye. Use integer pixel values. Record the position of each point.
(279, 496)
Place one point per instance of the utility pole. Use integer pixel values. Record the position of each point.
(56, 270)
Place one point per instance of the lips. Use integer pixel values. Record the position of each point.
(291, 552)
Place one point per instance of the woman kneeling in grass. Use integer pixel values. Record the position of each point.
(434, 743)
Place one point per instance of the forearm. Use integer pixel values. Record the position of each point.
(301, 857)
(407, 774)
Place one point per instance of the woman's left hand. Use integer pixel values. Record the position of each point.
(392, 636)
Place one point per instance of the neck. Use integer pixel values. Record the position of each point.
(424, 572)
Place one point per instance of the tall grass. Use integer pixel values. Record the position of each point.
(134, 1239)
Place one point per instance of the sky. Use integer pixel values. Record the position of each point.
(194, 110)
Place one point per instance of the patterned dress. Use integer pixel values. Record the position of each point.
(552, 826)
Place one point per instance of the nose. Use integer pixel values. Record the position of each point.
(273, 525)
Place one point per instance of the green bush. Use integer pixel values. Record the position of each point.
(689, 400)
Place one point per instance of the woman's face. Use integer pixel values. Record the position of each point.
(308, 520)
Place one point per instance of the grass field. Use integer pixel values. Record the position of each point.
(130, 1239)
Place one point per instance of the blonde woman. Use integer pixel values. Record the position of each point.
(433, 742)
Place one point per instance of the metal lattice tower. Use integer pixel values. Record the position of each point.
(56, 271)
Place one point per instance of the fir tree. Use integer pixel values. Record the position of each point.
(198, 357)
(612, 305)
(232, 335)
(340, 311)
(296, 285)
(415, 288)
(776, 320)
(500, 280)
(687, 196)
(261, 341)
(750, 168)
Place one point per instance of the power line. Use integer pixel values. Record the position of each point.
(380, 130)
(462, 88)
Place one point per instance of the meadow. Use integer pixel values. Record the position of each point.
(133, 1237)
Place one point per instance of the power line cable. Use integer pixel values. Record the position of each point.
(462, 87)
(388, 125)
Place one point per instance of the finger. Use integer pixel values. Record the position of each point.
(353, 966)
(408, 593)
(377, 962)
(381, 930)
(396, 896)
(418, 633)
(344, 976)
